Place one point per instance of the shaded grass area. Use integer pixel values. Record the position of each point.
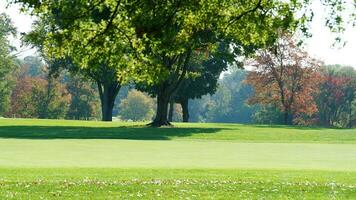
(74, 183)
(61, 129)
(121, 132)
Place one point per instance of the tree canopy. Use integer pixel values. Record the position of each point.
(287, 77)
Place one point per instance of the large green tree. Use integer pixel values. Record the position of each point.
(179, 28)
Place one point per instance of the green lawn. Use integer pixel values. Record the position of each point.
(72, 183)
(57, 129)
(97, 160)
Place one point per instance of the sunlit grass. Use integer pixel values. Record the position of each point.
(174, 184)
(57, 159)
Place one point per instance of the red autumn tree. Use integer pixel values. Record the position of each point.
(285, 76)
(21, 99)
(36, 97)
(337, 96)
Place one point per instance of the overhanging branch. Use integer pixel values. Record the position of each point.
(251, 10)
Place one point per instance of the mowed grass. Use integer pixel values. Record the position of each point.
(45, 159)
(79, 183)
(175, 154)
(59, 129)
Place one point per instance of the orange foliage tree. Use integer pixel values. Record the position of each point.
(36, 97)
(285, 76)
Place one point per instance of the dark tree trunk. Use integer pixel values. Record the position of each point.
(168, 88)
(161, 118)
(108, 93)
(185, 110)
(349, 124)
(288, 118)
(171, 111)
(106, 108)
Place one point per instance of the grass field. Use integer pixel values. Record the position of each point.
(95, 160)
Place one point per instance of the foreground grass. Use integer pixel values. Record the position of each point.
(54, 159)
(60, 129)
(75, 183)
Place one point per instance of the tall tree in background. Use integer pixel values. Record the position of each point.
(51, 99)
(285, 76)
(22, 104)
(228, 104)
(337, 96)
(36, 97)
(35, 66)
(7, 62)
(84, 102)
(240, 111)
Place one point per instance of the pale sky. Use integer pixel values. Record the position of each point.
(319, 46)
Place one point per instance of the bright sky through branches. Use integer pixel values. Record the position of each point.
(319, 46)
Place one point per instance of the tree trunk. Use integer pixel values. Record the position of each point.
(349, 125)
(162, 110)
(185, 110)
(286, 118)
(171, 111)
(167, 90)
(108, 93)
(106, 108)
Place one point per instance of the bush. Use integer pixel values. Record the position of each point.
(137, 106)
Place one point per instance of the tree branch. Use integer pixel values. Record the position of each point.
(238, 17)
(108, 25)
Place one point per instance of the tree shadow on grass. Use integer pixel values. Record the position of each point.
(75, 132)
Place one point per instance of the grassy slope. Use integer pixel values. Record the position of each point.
(190, 161)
